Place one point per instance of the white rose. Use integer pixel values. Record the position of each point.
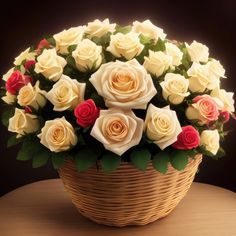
(32, 96)
(216, 68)
(118, 130)
(173, 51)
(99, 28)
(174, 88)
(157, 62)
(201, 78)
(198, 52)
(148, 29)
(125, 45)
(66, 93)
(9, 98)
(50, 64)
(225, 97)
(162, 126)
(87, 55)
(124, 84)
(8, 74)
(25, 55)
(58, 135)
(22, 123)
(67, 38)
(210, 140)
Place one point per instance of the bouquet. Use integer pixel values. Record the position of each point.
(110, 94)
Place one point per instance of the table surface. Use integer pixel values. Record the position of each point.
(44, 208)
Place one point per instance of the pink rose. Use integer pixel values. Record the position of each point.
(188, 139)
(204, 109)
(16, 81)
(29, 64)
(86, 113)
(42, 44)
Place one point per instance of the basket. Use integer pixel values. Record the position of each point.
(127, 196)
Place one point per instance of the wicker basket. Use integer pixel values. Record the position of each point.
(127, 196)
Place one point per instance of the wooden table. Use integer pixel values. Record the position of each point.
(43, 208)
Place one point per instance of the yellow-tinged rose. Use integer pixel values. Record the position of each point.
(173, 51)
(58, 135)
(118, 130)
(25, 55)
(210, 140)
(9, 98)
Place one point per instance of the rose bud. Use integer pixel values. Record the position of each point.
(188, 139)
(42, 44)
(29, 64)
(224, 116)
(86, 113)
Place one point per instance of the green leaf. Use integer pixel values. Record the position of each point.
(71, 48)
(6, 116)
(160, 161)
(123, 30)
(179, 159)
(51, 41)
(70, 61)
(110, 162)
(58, 159)
(41, 158)
(186, 60)
(85, 159)
(12, 141)
(159, 46)
(140, 158)
(145, 40)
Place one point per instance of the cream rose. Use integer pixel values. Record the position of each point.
(67, 38)
(225, 97)
(25, 55)
(198, 52)
(6, 76)
(210, 140)
(176, 54)
(66, 94)
(174, 88)
(99, 28)
(9, 98)
(58, 135)
(50, 64)
(32, 96)
(201, 79)
(23, 123)
(118, 130)
(125, 45)
(87, 55)
(148, 29)
(124, 84)
(162, 126)
(157, 62)
(216, 68)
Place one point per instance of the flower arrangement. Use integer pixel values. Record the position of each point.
(108, 93)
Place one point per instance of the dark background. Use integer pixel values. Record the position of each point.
(211, 22)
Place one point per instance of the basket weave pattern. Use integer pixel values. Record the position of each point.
(127, 196)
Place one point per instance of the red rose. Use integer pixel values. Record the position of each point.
(86, 113)
(42, 44)
(29, 64)
(188, 139)
(16, 81)
(224, 116)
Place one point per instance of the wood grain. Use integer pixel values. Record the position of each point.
(43, 208)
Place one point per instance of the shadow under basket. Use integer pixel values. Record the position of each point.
(127, 196)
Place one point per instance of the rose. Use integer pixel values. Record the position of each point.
(118, 130)
(157, 62)
(9, 98)
(16, 81)
(225, 97)
(173, 51)
(124, 84)
(25, 55)
(66, 93)
(87, 55)
(29, 64)
(201, 78)
(216, 68)
(198, 52)
(23, 123)
(99, 28)
(42, 44)
(188, 139)
(31, 96)
(86, 113)
(204, 109)
(125, 45)
(174, 88)
(210, 140)
(8, 74)
(67, 38)
(224, 116)
(50, 64)
(148, 30)
(162, 126)
(58, 135)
